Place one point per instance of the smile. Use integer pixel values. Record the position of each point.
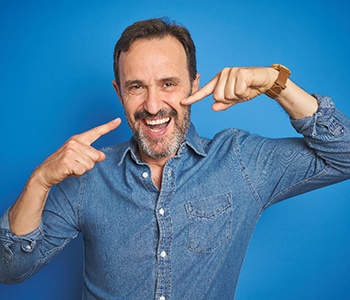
(157, 125)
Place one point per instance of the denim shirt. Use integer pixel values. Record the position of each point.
(188, 239)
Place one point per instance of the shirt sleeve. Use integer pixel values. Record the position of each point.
(18, 253)
(22, 256)
(328, 133)
(282, 168)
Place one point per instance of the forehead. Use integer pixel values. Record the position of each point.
(153, 56)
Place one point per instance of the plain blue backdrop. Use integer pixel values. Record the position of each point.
(55, 81)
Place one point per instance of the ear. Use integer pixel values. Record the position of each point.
(117, 90)
(196, 83)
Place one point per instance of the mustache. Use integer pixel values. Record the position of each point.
(143, 114)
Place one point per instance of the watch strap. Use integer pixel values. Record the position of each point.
(280, 83)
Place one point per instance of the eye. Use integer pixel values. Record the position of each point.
(169, 85)
(135, 89)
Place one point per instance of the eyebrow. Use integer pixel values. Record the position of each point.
(133, 82)
(174, 79)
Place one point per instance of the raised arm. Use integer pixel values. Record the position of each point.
(236, 85)
(324, 157)
(74, 158)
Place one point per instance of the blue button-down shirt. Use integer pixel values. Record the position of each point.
(188, 239)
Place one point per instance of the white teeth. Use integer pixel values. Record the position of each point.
(158, 121)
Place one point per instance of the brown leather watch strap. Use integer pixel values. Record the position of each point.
(280, 83)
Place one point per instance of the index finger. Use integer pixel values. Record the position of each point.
(90, 136)
(205, 91)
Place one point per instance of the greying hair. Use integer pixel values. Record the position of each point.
(156, 29)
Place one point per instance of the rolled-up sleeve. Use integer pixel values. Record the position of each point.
(19, 254)
(278, 169)
(22, 256)
(328, 133)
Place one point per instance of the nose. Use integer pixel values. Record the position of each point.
(153, 100)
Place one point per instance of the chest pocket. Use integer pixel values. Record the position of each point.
(210, 222)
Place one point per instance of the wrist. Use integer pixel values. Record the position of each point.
(280, 82)
(272, 76)
(38, 180)
(25, 214)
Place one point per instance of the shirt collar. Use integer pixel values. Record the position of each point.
(192, 141)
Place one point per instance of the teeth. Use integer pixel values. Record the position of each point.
(158, 121)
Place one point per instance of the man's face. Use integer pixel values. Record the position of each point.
(153, 80)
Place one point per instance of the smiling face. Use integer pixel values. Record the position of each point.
(154, 78)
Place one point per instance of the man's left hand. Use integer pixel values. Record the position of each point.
(235, 85)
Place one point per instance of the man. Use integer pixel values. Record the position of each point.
(169, 215)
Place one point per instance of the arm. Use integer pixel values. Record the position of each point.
(26, 245)
(321, 159)
(236, 85)
(281, 168)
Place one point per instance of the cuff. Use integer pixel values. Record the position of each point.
(324, 117)
(5, 226)
(4, 220)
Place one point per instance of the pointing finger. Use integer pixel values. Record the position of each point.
(90, 136)
(205, 91)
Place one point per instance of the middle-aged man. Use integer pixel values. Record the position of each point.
(169, 215)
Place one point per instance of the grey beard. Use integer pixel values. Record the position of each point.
(145, 143)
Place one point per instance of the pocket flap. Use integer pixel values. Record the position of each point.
(209, 207)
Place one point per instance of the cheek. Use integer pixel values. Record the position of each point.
(131, 105)
(174, 100)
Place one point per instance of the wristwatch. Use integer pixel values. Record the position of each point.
(280, 83)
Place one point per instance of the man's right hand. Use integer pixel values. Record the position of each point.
(74, 158)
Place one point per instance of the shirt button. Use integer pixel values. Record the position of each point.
(161, 211)
(162, 298)
(144, 175)
(163, 254)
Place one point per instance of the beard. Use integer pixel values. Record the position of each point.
(161, 147)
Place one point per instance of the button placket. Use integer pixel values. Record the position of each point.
(164, 259)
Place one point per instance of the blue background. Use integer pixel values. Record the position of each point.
(55, 81)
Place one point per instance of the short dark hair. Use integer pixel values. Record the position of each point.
(153, 29)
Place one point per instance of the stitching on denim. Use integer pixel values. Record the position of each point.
(53, 250)
(7, 254)
(170, 254)
(80, 204)
(44, 259)
(314, 127)
(192, 211)
(226, 212)
(164, 199)
(245, 173)
(80, 200)
(48, 256)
